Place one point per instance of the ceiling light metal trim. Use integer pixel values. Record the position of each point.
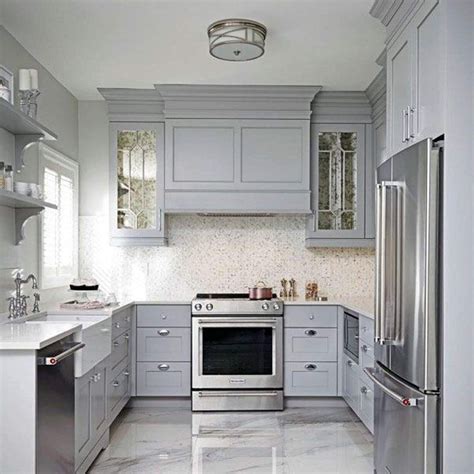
(231, 37)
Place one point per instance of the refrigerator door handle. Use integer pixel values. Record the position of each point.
(380, 260)
(404, 401)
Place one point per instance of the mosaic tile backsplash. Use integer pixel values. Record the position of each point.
(212, 254)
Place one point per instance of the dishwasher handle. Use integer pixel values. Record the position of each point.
(53, 360)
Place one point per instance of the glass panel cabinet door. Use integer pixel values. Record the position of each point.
(338, 180)
(137, 174)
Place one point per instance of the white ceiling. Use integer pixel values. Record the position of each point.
(87, 44)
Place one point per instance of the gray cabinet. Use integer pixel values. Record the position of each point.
(350, 382)
(302, 316)
(118, 390)
(164, 343)
(168, 379)
(341, 214)
(172, 315)
(241, 165)
(90, 411)
(415, 79)
(310, 378)
(310, 344)
(137, 184)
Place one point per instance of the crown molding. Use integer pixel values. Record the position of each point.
(385, 10)
(237, 101)
(341, 107)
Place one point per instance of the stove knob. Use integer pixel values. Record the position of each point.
(209, 307)
(198, 306)
(276, 306)
(265, 306)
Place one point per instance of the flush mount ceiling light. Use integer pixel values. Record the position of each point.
(236, 39)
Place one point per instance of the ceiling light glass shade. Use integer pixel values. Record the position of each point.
(236, 39)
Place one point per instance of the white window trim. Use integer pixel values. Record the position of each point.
(47, 154)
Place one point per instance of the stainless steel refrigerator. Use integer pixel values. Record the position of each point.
(406, 375)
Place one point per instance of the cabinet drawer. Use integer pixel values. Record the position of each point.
(319, 344)
(310, 379)
(164, 379)
(366, 356)
(118, 392)
(367, 403)
(121, 322)
(366, 330)
(164, 343)
(350, 383)
(120, 350)
(175, 315)
(310, 316)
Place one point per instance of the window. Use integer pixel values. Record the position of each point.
(58, 177)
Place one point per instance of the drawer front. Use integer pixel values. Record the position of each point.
(121, 322)
(118, 390)
(319, 344)
(176, 315)
(120, 350)
(367, 403)
(366, 355)
(310, 316)
(366, 330)
(166, 379)
(310, 379)
(165, 343)
(350, 383)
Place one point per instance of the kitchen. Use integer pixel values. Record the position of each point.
(177, 171)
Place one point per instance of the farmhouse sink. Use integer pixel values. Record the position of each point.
(96, 334)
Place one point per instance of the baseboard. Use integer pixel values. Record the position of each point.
(159, 402)
(316, 402)
(88, 461)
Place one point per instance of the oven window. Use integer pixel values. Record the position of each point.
(237, 351)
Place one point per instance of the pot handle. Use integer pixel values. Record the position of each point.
(262, 284)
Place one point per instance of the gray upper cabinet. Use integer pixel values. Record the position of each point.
(137, 183)
(339, 157)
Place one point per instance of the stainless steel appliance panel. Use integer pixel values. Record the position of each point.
(351, 336)
(406, 422)
(228, 400)
(55, 409)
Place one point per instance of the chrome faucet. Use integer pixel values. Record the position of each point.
(18, 305)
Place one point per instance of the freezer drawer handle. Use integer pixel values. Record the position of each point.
(59, 357)
(404, 401)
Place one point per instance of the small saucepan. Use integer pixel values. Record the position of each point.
(260, 292)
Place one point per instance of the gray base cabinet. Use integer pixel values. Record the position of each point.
(163, 350)
(310, 350)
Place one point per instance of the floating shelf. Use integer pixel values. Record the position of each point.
(27, 131)
(25, 207)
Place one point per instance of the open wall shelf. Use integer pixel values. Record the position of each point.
(26, 130)
(25, 207)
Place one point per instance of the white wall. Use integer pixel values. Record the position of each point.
(458, 244)
(57, 110)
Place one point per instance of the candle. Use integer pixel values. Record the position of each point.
(34, 79)
(24, 79)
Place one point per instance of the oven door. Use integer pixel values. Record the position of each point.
(232, 352)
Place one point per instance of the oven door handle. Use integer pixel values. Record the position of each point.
(233, 320)
(238, 394)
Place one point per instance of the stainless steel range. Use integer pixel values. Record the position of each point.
(237, 347)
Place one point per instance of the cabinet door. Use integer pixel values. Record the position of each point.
(137, 184)
(319, 344)
(83, 428)
(310, 379)
(338, 163)
(168, 379)
(350, 383)
(98, 403)
(427, 120)
(170, 344)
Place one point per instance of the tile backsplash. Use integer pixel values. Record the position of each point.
(221, 254)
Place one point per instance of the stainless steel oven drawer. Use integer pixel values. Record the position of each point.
(302, 344)
(310, 379)
(172, 315)
(229, 400)
(165, 379)
(310, 316)
(164, 343)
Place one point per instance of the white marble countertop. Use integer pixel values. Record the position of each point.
(25, 336)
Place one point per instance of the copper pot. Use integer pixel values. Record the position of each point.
(260, 292)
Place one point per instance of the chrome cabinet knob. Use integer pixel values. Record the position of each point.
(163, 332)
(310, 367)
(265, 306)
(364, 390)
(164, 367)
(127, 336)
(209, 307)
(117, 325)
(311, 316)
(163, 316)
(115, 383)
(126, 373)
(350, 363)
(310, 332)
(116, 343)
(198, 306)
(365, 348)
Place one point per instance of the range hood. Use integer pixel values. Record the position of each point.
(237, 150)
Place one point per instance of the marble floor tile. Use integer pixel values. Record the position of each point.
(295, 441)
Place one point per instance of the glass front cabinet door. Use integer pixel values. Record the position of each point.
(338, 185)
(137, 184)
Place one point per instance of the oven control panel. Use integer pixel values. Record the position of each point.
(235, 307)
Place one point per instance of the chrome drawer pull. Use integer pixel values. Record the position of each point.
(164, 367)
(310, 332)
(127, 337)
(116, 344)
(310, 367)
(116, 383)
(163, 332)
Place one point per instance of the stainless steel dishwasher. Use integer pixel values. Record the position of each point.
(55, 407)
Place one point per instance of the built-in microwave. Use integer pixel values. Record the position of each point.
(351, 336)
